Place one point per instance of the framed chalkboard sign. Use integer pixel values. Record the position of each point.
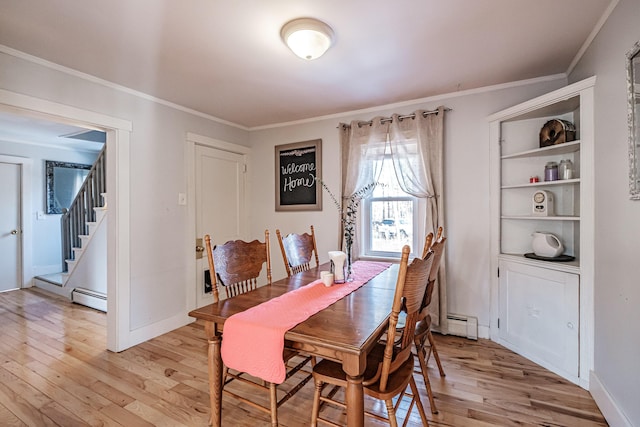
(298, 166)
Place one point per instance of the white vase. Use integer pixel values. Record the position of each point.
(547, 245)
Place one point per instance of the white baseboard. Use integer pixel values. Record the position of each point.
(148, 332)
(54, 289)
(462, 326)
(90, 299)
(612, 413)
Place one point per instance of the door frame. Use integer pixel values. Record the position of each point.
(191, 141)
(25, 225)
(118, 132)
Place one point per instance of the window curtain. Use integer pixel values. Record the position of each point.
(417, 152)
(416, 145)
(361, 145)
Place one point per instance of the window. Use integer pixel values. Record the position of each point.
(390, 218)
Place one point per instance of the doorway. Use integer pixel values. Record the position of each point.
(10, 226)
(119, 336)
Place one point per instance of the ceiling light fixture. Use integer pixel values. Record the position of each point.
(307, 37)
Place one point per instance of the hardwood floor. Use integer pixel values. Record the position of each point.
(55, 371)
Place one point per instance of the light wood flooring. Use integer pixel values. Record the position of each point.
(55, 371)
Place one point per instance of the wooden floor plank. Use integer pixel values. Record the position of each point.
(55, 371)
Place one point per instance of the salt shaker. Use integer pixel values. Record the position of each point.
(551, 171)
(565, 170)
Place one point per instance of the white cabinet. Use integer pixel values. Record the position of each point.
(539, 315)
(544, 309)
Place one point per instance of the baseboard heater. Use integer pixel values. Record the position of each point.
(463, 326)
(89, 298)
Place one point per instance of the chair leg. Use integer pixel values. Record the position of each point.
(391, 412)
(316, 404)
(425, 375)
(435, 353)
(273, 397)
(416, 397)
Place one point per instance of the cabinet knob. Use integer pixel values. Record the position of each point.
(14, 232)
(569, 325)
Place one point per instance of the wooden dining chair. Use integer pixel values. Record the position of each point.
(297, 251)
(423, 329)
(390, 364)
(234, 268)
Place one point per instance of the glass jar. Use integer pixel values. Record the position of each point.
(565, 170)
(551, 171)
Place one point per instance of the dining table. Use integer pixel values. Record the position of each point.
(346, 331)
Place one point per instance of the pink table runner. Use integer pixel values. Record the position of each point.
(253, 340)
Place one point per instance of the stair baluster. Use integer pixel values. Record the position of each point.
(74, 220)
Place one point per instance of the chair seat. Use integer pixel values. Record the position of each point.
(331, 372)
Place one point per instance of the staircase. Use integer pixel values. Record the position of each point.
(84, 241)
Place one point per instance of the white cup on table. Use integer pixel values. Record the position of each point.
(327, 278)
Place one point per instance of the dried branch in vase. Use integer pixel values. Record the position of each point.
(348, 213)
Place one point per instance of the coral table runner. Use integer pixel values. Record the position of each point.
(253, 340)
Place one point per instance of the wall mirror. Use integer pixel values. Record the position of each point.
(63, 182)
(633, 95)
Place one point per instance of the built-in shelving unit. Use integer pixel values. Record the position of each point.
(543, 309)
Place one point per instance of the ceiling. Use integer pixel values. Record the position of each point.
(226, 58)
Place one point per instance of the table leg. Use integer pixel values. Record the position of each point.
(355, 401)
(215, 374)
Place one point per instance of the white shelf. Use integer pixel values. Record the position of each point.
(542, 218)
(568, 266)
(516, 155)
(543, 183)
(552, 150)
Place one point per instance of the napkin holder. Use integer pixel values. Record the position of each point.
(338, 266)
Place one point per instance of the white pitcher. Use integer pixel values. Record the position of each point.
(547, 245)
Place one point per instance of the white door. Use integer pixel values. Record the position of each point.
(10, 227)
(220, 204)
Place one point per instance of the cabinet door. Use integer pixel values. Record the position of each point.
(539, 315)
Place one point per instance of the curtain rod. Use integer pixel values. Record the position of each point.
(389, 119)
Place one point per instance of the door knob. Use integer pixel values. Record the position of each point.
(14, 232)
(199, 248)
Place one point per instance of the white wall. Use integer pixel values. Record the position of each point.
(617, 245)
(46, 247)
(466, 187)
(160, 245)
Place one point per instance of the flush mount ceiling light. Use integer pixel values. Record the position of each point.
(307, 37)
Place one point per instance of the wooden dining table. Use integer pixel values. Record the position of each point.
(345, 332)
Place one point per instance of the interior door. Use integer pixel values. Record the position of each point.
(10, 227)
(220, 204)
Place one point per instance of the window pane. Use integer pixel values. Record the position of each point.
(391, 225)
(390, 187)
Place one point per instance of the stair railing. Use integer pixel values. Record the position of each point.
(74, 220)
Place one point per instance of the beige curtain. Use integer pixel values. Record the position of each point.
(360, 143)
(416, 144)
(417, 151)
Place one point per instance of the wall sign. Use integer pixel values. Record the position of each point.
(298, 166)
